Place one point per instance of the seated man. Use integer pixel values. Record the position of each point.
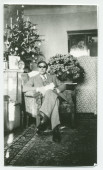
(51, 88)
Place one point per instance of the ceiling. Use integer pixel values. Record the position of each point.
(53, 9)
(58, 9)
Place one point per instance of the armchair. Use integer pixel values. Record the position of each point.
(32, 104)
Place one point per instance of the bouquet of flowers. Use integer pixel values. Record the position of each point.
(66, 67)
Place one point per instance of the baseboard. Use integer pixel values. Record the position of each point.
(86, 115)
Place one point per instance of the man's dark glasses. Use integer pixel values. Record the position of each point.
(42, 66)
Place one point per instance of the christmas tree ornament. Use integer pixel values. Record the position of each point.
(39, 44)
(11, 22)
(22, 53)
(34, 27)
(16, 48)
(33, 55)
(17, 19)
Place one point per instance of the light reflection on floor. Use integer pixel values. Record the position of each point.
(7, 154)
(10, 138)
(9, 141)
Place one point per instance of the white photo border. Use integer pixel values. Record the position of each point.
(99, 3)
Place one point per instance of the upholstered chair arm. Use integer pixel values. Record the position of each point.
(33, 99)
(24, 78)
(32, 94)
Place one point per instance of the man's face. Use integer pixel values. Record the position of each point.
(42, 68)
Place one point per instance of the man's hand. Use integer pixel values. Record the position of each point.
(56, 90)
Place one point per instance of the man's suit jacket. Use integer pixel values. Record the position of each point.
(37, 81)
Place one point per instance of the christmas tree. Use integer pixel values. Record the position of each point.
(22, 39)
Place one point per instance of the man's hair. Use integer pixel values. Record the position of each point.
(43, 62)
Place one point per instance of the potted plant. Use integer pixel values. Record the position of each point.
(66, 68)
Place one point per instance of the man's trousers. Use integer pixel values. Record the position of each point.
(50, 107)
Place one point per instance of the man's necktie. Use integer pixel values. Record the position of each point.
(45, 81)
(44, 77)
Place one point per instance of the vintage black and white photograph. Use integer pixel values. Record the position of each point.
(50, 55)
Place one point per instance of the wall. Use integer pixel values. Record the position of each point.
(54, 24)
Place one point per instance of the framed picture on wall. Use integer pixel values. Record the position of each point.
(83, 42)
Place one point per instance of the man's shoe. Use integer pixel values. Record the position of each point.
(45, 119)
(38, 131)
(41, 128)
(56, 135)
(43, 125)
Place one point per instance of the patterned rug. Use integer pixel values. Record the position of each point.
(78, 147)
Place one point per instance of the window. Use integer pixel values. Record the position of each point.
(82, 42)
